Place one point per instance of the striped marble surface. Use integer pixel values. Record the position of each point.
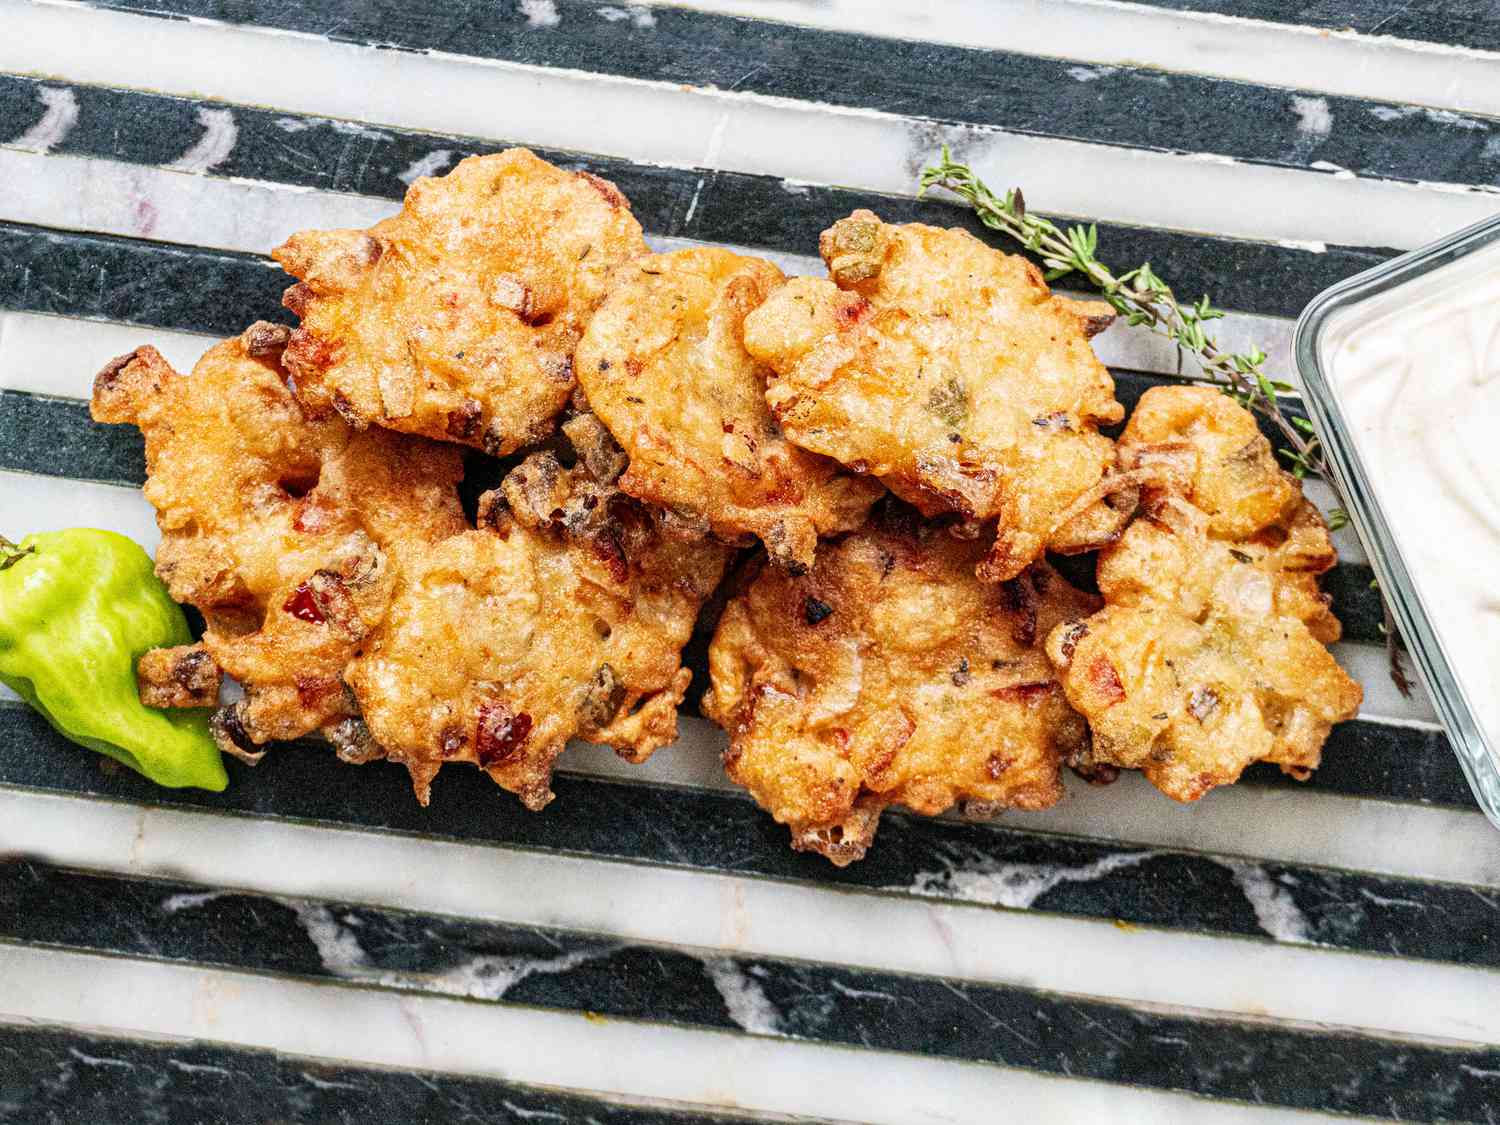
(312, 946)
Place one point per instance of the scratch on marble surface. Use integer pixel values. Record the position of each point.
(540, 13)
(1448, 117)
(862, 993)
(746, 1001)
(1090, 73)
(326, 1084)
(1014, 885)
(99, 1060)
(525, 1114)
(220, 134)
(1313, 116)
(637, 15)
(1338, 170)
(176, 903)
(428, 165)
(57, 121)
(1275, 910)
(199, 1068)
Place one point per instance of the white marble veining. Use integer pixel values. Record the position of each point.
(764, 917)
(568, 1049)
(721, 129)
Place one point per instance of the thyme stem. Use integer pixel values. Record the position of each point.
(10, 554)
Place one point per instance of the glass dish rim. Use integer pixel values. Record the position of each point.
(1480, 763)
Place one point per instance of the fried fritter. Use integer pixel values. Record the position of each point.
(948, 370)
(564, 615)
(890, 675)
(1209, 654)
(457, 317)
(281, 528)
(1207, 448)
(664, 366)
(183, 676)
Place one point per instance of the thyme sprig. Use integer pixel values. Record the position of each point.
(1145, 299)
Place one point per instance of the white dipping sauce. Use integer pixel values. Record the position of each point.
(1417, 373)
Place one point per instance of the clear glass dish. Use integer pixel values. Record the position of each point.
(1331, 316)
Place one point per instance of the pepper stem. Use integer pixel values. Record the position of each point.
(10, 554)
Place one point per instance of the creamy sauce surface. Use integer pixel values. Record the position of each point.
(1418, 375)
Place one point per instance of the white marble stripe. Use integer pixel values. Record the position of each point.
(763, 917)
(686, 126)
(55, 355)
(30, 503)
(1123, 34)
(565, 1049)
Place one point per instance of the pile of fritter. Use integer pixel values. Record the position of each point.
(865, 473)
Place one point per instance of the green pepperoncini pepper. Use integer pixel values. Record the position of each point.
(77, 610)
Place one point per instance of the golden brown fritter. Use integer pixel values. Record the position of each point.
(182, 676)
(564, 615)
(664, 366)
(948, 370)
(1209, 654)
(1207, 448)
(457, 317)
(890, 675)
(284, 530)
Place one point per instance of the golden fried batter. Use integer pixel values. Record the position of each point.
(1209, 654)
(890, 675)
(948, 370)
(282, 529)
(564, 615)
(457, 318)
(664, 366)
(183, 676)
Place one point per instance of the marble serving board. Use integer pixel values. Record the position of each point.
(312, 946)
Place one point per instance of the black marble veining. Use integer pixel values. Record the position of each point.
(58, 1076)
(1057, 97)
(1012, 1026)
(942, 860)
(713, 206)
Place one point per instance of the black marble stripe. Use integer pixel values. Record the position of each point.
(56, 437)
(62, 1076)
(1454, 23)
(1123, 105)
(1012, 1026)
(100, 277)
(142, 128)
(712, 831)
(1384, 762)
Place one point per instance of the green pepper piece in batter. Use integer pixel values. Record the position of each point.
(77, 610)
